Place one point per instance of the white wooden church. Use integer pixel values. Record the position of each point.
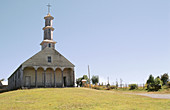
(47, 68)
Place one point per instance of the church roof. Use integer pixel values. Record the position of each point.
(41, 59)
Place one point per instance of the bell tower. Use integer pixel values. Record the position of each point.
(48, 31)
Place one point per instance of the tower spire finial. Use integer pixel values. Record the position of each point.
(49, 7)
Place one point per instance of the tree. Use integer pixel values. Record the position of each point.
(165, 78)
(95, 79)
(78, 82)
(117, 84)
(158, 83)
(154, 84)
(150, 82)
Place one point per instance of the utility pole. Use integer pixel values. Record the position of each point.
(108, 80)
(89, 76)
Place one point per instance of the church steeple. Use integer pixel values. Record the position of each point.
(48, 31)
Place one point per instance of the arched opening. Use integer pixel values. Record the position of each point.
(58, 77)
(40, 77)
(49, 77)
(68, 77)
(29, 77)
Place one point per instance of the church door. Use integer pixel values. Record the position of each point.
(64, 79)
(27, 81)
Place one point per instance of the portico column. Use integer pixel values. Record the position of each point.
(36, 78)
(62, 78)
(44, 77)
(54, 79)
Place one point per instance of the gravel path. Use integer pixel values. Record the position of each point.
(160, 96)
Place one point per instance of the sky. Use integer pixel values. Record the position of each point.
(119, 39)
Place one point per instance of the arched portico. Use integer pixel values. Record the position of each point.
(40, 76)
(29, 77)
(68, 77)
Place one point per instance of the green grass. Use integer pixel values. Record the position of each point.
(77, 98)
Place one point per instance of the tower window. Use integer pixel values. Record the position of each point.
(49, 59)
(49, 45)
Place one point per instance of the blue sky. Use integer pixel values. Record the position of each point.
(127, 39)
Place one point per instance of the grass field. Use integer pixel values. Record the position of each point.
(77, 98)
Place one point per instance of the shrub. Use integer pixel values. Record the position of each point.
(133, 86)
(110, 87)
(168, 84)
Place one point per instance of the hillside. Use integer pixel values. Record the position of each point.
(77, 98)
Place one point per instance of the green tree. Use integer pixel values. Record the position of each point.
(150, 79)
(78, 81)
(95, 79)
(150, 83)
(165, 78)
(158, 83)
(154, 84)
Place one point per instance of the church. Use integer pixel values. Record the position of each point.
(47, 68)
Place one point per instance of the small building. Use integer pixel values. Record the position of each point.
(83, 82)
(3, 84)
(47, 68)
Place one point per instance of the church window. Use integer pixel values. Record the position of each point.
(49, 59)
(49, 45)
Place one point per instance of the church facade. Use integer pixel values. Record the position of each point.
(47, 68)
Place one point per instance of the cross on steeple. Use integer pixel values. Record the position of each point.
(49, 8)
